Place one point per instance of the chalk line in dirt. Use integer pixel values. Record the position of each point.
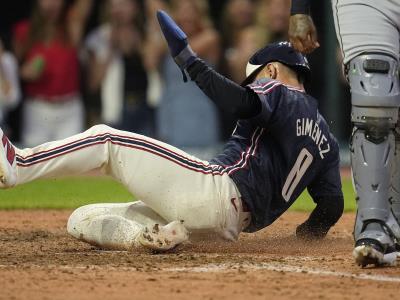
(280, 267)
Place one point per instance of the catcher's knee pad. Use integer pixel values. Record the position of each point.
(375, 96)
(374, 81)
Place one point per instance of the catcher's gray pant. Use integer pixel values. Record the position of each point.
(171, 184)
(368, 34)
(367, 26)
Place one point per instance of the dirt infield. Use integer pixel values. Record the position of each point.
(39, 261)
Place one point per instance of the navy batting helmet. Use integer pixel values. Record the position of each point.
(282, 52)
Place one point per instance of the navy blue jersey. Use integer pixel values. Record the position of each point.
(280, 152)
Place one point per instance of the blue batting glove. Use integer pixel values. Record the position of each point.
(176, 40)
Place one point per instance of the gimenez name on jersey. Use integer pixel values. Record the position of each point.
(306, 126)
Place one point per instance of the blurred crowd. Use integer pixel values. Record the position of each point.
(65, 77)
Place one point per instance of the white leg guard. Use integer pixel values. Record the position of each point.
(176, 185)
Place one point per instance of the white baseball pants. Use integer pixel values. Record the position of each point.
(171, 184)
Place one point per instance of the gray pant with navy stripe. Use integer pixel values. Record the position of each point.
(367, 26)
(372, 26)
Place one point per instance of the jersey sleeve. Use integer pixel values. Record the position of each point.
(327, 183)
(326, 191)
(269, 93)
(300, 7)
(226, 94)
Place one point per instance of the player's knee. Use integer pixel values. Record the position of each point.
(374, 81)
(373, 78)
(375, 95)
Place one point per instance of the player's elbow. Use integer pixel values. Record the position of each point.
(325, 215)
(332, 209)
(243, 111)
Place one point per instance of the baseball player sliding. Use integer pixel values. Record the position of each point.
(281, 146)
(368, 34)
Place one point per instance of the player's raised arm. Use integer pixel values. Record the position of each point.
(302, 32)
(229, 96)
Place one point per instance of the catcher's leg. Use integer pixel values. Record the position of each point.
(175, 185)
(395, 187)
(123, 226)
(395, 192)
(362, 27)
(366, 26)
(374, 86)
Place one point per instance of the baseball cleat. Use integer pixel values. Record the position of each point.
(8, 174)
(369, 252)
(163, 238)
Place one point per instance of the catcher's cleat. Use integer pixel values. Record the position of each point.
(371, 252)
(163, 238)
(8, 174)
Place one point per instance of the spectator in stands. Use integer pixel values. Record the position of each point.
(238, 55)
(272, 20)
(247, 26)
(271, 24)
(9, 83)
(237, 15)
(154, 50)
(185, 116)
(116, 68)
(47, 47)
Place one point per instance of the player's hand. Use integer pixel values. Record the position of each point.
(302, 33)
(176, 40)
(307, 231)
